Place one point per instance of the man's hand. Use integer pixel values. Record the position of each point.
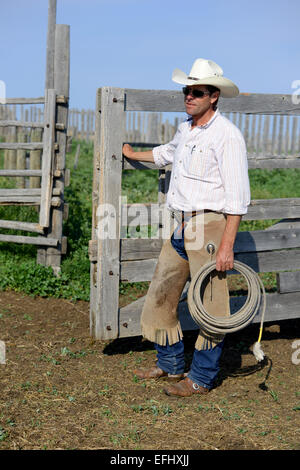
(224, 258)
(128, 151)
(225, 255)
(144, 156)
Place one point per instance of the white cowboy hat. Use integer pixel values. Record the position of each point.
(207, 72)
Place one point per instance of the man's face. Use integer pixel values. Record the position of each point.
(198, 106)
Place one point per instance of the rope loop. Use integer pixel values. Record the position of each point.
(256, 297)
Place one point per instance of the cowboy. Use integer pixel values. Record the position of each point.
(209, 188)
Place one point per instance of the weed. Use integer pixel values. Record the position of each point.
(26, 385)
(242, 430)
(3, 434)
(274, 395)
(106, 411)
(27, 317)
(104, 392)
(137, 408)
(117, 438)
(264, 433)
(167, 410)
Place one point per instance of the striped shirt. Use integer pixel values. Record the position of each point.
(209, 167)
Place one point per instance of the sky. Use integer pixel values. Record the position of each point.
(138, 43)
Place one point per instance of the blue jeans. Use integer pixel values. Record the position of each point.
(204, 367)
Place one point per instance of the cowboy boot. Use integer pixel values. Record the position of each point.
(185, 388)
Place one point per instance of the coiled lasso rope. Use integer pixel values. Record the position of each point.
(212, 325)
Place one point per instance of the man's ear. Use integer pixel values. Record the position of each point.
(214, 96)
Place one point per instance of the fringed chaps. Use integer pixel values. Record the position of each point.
(159, 319)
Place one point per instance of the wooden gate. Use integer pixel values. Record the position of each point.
(117, 258)
(35, 155)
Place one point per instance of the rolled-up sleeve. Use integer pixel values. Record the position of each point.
(233, 166)
(164, 154)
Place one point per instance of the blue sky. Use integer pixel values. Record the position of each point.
(138, 43)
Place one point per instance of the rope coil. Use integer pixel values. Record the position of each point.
(256, 297)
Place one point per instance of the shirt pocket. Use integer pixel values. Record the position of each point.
(199, 162)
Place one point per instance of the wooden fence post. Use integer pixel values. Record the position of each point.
(49, 83)
(52, 256)
(104, 304)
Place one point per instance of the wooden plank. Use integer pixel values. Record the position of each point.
(137, 271)
(263, 209)
(32, 125)
(49, 82)
(285, 224)
(36, 135)
(39, 100)
(266, 240)
(247, 103)
(47, 158)
(294, 135)
(94, 309)
(26, 192)
(20, 173)
(29, 240)
(259, 240)
(272, 162)
(21, 158)
(274, 136)
(21, 145)
(15, 225)
(21, 124)
(27, 201)
(259, 209)
(280, 135)
(108, 161)
(10, 155)
(272, 261)
(288, 282)
(278, 307)
(254, 161)
(285, 260)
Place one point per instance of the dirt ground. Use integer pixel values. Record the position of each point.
(60, 389)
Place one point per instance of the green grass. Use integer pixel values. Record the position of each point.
(18, 268)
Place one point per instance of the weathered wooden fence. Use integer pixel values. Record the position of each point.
(264, 134)
(35, 149)
(115, 258)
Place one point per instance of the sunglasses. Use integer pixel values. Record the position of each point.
(194, 92)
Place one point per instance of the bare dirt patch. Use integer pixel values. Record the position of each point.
(60, 389)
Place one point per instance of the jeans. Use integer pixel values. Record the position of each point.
(204, 367)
